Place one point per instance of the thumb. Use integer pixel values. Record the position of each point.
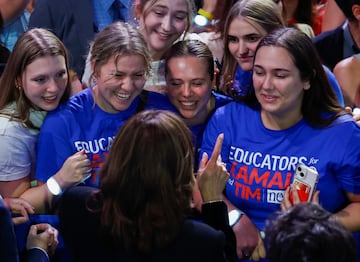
(203, 161)
(33, 230)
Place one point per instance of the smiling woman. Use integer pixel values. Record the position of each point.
(88, 122)
(287, 117)
(35, 80)
(162, 22)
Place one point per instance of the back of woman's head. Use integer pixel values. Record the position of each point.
(33, 44)
(320, 97)
(192, 48)
(118, 39)
(146, 181)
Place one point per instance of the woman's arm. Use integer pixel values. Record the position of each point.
(349, 216)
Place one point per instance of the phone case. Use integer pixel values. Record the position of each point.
(305, 181)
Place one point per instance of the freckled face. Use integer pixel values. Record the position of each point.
(119, 82)
(189, 85)
(44, 82)
(243, 38)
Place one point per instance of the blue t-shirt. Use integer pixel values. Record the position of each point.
(198, 130)
(81, 124)
(261, 162)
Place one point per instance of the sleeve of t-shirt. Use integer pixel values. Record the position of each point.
(348, 172)
(15, 159)
(53, 146)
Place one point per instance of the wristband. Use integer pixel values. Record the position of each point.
(206, 14)
(234, 216)
(53, 186)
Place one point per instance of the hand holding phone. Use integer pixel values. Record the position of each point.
(305, 181)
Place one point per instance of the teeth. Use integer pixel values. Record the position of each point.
(163, 34)
(50, 98)
(123, 96)
(269, 97)
(188, 103)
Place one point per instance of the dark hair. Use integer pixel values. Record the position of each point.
(146, 181)
(194, 48)
(308, 233)
(31, 45)
(320, 105)
(346, 8)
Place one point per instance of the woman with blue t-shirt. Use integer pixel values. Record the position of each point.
(290, 117)
(90, 120)
(189, 73)
(247, 23)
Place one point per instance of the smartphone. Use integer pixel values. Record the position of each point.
(305, 181)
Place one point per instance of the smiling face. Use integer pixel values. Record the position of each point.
(189, 86)
(278, 86)
(44, 82)
(165, 21)
(119, 82)
(243, 38)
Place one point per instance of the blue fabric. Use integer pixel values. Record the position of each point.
(11, 32)
(261, 162)
(197, 130)
(335, 85)
(243, 81)
(81, 124)
(8, 249)
(104, 12)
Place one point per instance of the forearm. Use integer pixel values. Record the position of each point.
(209, 5)
(349, 216)
(39, 197)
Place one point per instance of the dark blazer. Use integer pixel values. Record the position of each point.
(72, 22)
(8, 245)
(329, 45)
(81, 231)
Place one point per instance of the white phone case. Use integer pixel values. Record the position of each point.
(305, 181)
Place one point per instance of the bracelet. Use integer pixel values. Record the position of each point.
(205, 14)
(53, 186)
(234, 216)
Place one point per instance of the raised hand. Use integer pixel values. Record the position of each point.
(75, 169)
(212, 174)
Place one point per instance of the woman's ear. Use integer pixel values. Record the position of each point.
(356, 11)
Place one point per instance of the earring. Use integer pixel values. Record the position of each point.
(307, 86)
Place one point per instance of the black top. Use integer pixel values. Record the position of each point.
(81, 230)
